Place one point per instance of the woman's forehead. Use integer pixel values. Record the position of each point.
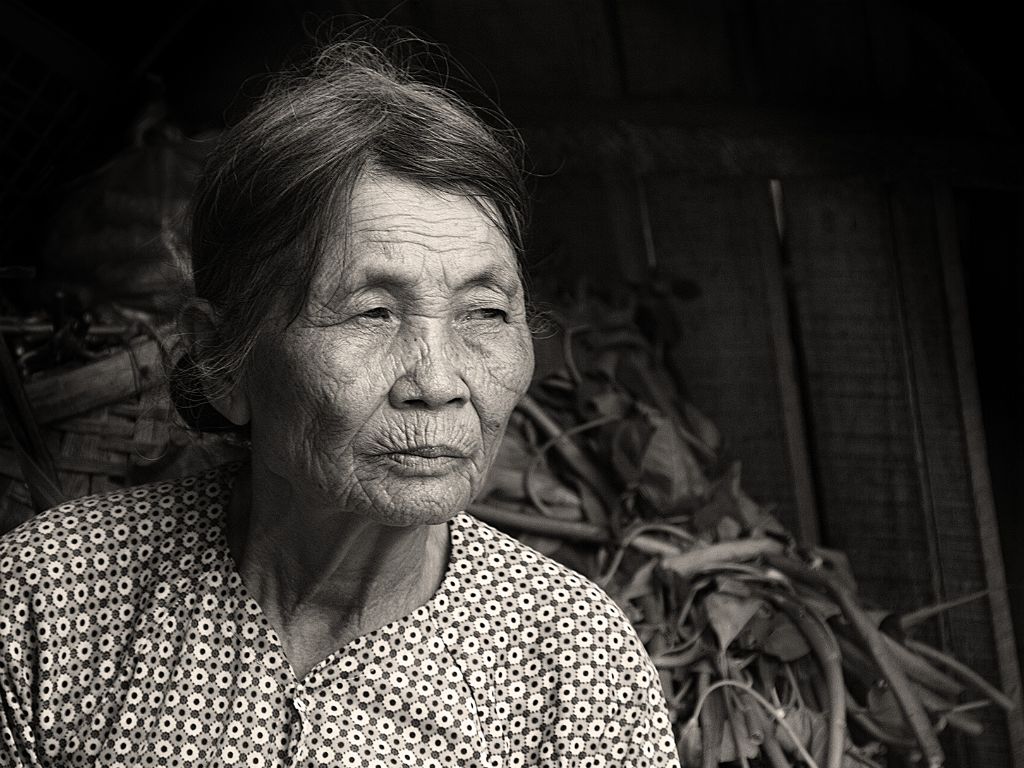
(385, 209)
(400, 232)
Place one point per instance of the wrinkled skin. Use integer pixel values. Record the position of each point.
(415, 336)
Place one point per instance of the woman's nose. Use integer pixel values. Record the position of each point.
(432, 379)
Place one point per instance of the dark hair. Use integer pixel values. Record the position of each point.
(279, 181)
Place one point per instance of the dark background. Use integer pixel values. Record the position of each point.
(88, 69)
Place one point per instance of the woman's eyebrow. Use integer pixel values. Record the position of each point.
(503, 280)
(386, 281)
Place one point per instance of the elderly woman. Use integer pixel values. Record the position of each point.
(360, 315)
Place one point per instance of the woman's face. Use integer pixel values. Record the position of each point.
(389, 395)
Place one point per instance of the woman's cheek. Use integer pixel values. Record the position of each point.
(504, 372)
(526, 360)
(326, 388)
(511, 364)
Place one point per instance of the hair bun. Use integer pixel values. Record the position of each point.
(189, 398)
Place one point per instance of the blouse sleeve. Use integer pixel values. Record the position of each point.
(17, 739)
(646, 737)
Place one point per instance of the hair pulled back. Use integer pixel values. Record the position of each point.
(277, 185)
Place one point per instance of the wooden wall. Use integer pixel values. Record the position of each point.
(837, 361)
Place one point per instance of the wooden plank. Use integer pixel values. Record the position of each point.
(846, 308)
(75, 480)
(60, 395)
(151, 436)
(991, 241)
(943, 465)
(77, 461)
(112, 451)
(984, 505)
(79, 457)
(772, 212)
(713, 233)
(91, 425)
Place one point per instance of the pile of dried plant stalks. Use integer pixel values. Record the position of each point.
(766, 654)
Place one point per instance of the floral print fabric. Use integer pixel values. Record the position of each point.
(127, 638)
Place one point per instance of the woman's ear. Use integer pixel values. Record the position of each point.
(198, 323)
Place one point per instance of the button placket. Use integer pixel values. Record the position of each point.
(299, 704)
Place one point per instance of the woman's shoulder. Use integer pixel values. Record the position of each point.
(537, 616)
(533, 584)
(100, 531)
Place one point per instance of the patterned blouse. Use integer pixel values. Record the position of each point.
(127, 638)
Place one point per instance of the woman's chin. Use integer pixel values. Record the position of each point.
(419, 501)
(403, 517)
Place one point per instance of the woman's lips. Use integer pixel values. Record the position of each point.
(426, 460)
(434, 452)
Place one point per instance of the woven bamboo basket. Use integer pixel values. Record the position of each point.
(107, 424)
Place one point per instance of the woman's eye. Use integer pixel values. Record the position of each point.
(487, 313)
(377, 313)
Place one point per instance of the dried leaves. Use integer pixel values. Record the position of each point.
(764, 651)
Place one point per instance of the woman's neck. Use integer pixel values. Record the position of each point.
(324, 577)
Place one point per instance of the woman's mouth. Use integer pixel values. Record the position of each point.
(426, 460)
(435, 452)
